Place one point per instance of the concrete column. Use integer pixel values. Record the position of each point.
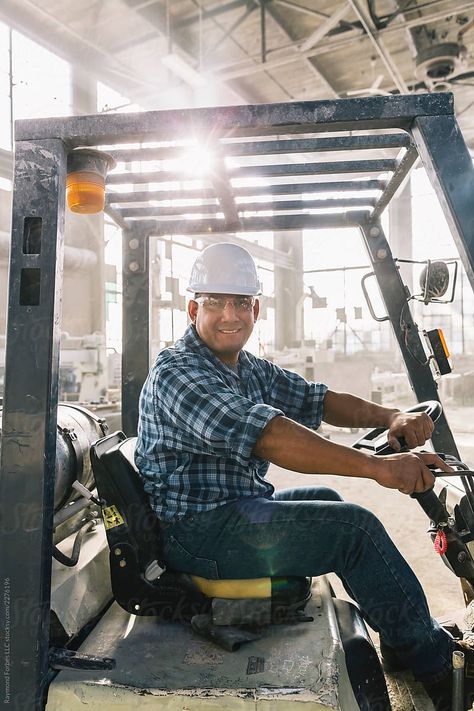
(5, 226)
(401, 241)
(156, 253)
(289, 292)
(84, 91)
(401, 232)
(84, 295)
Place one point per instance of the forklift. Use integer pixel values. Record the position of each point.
(90, 616)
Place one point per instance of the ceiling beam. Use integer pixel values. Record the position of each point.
(309, 11)
(232, 28)
(311, 64)
(323, 29)
(232, 72)
(425, 19)
(249, 3)
(380, 48)
(300, 8)
(209, 13)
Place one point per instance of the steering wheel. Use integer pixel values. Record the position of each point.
(375, 441)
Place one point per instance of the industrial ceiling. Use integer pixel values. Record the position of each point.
(165, 53)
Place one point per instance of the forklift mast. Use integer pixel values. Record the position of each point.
(412, 126)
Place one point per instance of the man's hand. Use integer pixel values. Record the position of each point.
(408, 472)
(415, 428)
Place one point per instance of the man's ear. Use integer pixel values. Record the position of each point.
(192, 310)
(256, 309)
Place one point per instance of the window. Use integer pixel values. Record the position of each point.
(5, 123)
(41, 81)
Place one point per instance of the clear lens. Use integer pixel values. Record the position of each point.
(218, 303)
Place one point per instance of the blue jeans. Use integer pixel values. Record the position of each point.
(311, 531)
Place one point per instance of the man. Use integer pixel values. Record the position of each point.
(212, 418)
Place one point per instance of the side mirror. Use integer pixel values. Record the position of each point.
(434, 281)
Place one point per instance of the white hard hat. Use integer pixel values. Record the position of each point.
(224, 268)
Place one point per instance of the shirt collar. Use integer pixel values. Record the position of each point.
(191, 340)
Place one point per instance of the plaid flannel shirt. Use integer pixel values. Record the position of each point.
(199, 421)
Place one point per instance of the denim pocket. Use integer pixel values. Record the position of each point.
(177, 557)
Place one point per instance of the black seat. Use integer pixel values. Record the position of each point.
(143, 585)
(140, 583)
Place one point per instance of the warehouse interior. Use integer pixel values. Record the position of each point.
(60, 59)
(321, 313)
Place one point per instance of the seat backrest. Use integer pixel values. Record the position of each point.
(126, 510)
(139, 582)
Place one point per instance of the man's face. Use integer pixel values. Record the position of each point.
(224, 322)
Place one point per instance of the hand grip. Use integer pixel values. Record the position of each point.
(432, 506)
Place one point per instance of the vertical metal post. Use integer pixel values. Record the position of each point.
(394, 296)
(289, 291)
(135, 324)
(28, 443)
(449, 166)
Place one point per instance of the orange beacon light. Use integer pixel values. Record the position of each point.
(85, 181)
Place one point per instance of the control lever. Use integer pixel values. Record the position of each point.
(429, 501)
(432, 506)
(85, 493)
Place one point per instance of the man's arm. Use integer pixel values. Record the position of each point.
(345, 410)
(292, 446)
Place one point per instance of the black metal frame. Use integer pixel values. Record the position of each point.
(425, 126)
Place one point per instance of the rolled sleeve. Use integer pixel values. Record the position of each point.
(313, 407)
(255, 421)
(300, 399)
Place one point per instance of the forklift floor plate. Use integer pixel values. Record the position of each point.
(166, 666)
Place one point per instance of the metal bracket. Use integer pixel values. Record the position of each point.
(60, 658)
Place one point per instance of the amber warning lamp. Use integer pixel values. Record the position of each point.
(440, 350)
(85, 182)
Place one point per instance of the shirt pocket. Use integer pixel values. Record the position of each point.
(180, 559)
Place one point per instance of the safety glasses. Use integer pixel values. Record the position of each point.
(218, 303)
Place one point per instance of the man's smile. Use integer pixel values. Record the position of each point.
(224, 323)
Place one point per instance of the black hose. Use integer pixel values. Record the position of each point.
(70, 510)
(76, 549)
(68, 529)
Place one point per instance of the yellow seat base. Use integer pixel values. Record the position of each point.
(234, 589)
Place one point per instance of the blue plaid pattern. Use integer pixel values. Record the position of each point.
(199, 421)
